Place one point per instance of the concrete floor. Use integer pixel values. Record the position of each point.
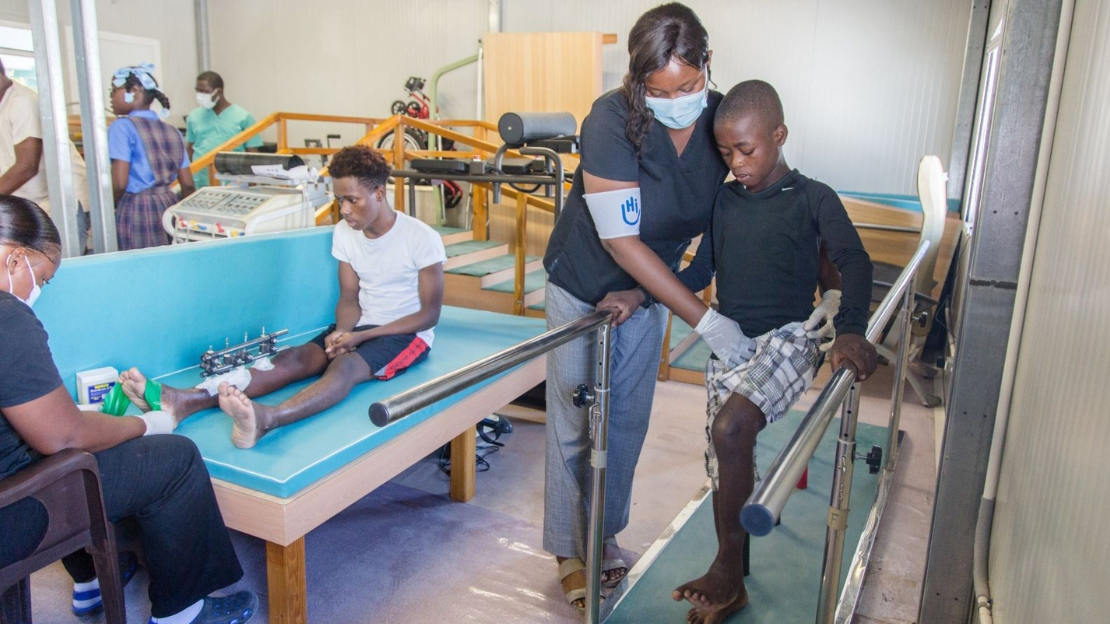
(408, 554)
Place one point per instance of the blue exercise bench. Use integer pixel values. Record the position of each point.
(159, 309)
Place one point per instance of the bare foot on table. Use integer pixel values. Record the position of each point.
(246, 414)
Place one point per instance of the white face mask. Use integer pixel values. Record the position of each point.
(36, 290)
(207, 100)
(680, 112)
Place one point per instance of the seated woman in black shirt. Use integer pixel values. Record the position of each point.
(158, 480)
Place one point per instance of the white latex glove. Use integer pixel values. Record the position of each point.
(825, 311)
(724, 337)
(158, 422)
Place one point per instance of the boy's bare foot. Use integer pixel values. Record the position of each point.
(133, 384)
(246, 414)
(713, 592)
(696, 616)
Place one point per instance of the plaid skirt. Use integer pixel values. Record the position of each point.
(139, 218)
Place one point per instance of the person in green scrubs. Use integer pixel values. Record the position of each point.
(214, 121)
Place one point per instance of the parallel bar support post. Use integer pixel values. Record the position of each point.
(900, 368)
(599, 433)
(838, 509)
(282, 136)
(480, 212)
(399, 163)
(518, 253)
(55, 123)
(94, 127)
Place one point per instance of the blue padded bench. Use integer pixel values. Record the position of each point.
(159, 309)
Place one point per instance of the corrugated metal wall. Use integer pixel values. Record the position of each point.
(343, 57)
(869, 86)
(1050, 549)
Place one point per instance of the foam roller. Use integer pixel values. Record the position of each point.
(519, 128)
(240, 163)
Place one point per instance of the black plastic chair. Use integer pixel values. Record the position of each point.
(68, 486)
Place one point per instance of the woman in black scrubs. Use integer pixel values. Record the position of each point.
(158, 480)
(654, 134)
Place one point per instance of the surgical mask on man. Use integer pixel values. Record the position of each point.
(36, 290)
(207, 100)
(680, 112)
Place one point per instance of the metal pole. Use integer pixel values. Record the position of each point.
(55, 124)
(599, 433)
(204, 54)
(494, 15)
(905, 335)
(86, 45)
(838, 509)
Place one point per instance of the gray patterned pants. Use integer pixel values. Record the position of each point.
(634, 361)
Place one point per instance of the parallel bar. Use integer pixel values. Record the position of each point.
(765, 505)
(55, 123)
(402, 404)
(839, 500)
(94, 127)
(762, 510)
(599, 452)
(904, 337)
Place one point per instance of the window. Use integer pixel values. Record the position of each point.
(17, 55)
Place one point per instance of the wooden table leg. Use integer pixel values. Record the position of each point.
(463, 467)
(285, 575)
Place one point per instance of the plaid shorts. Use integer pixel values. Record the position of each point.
(779, 373)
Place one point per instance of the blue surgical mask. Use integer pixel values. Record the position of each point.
(36, 290)
(680, 112)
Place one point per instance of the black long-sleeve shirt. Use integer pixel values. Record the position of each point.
(765, 249)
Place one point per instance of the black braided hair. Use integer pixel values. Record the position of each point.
(669, 31)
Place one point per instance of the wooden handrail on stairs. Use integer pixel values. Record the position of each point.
(479, 146)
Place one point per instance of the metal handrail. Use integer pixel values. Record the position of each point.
(400, 405)
(764, 507)
(396, 407)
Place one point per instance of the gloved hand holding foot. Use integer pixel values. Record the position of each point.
(825, 311)
(724, 337)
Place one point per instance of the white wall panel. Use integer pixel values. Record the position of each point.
(1050, 550)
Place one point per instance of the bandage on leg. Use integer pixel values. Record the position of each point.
(240, 378)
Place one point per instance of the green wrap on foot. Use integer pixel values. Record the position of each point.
(116, 402)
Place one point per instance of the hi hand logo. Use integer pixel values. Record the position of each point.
(630, 211)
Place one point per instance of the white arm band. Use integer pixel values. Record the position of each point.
(615, 213)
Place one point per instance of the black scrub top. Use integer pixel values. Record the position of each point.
(27, 372)
(676, 197)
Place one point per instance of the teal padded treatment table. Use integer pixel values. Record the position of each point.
(159, 309)
(786, 565)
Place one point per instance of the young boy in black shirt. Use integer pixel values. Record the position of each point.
(763, 245)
